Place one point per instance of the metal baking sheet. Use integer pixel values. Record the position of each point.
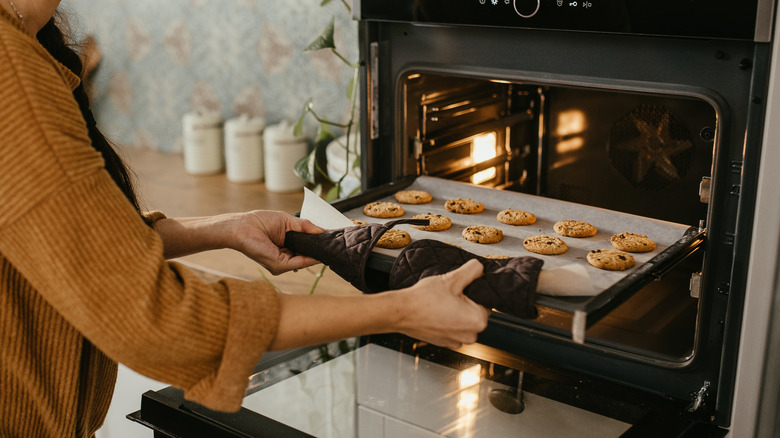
(567, 281)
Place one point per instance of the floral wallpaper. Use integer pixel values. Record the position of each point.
(163, 59)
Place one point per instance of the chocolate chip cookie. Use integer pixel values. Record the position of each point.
(383, 209)
(516, 217)
(413, 197)
(482, 234)
(632, 242)
(610, 259)
(464, 206)
(571, 228)
(394, 238)
(437, 222)
(544, 244)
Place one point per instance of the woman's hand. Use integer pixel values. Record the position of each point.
(435, 309)
(260, 236)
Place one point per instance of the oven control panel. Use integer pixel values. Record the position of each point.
(727, 19)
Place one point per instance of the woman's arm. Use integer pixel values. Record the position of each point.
(258, 234)
(433, 310)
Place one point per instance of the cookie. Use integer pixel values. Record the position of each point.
(544, 244)
(496, 256)
(610, 259)
(359, 222)
(394, 238)
(570, 228)
(413, 197)
(516, 217)
(632, 242)
(383, 209)
(482, 234)
(437, 222)
(464, 206)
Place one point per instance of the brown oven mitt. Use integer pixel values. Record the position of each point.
(508, 285)
(346, 251)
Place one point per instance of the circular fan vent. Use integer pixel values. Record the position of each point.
(650, 147)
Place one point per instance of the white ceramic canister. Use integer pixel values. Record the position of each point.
(244, 149)
(282, 151)
(202, 132)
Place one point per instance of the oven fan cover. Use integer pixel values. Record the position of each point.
(651, 147)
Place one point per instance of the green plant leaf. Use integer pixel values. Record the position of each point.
(333, 193)
(324, 132)
(350, 87)
(306, 167)
(325, 2)
(298, 128)
(325, 40)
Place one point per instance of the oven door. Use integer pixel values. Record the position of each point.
(391, 386)
(592, 72)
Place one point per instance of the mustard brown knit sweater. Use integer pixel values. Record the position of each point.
(83, 281)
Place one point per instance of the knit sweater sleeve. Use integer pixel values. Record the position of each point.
(69, 230)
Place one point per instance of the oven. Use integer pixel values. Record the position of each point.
(649, 108)
(631, 112)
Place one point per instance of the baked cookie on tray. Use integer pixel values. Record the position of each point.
(464, 206)
(571, 228)
(383, 209)
(482, 234)
(359, 222)
(413, 197)
(632, 242)
(546, 245)
(437, 222)
(516, 217)
(394, 238)
(496, 257)
(610, 259)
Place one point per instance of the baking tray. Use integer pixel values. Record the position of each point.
(567, 282)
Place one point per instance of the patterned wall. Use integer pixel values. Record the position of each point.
(162, 59)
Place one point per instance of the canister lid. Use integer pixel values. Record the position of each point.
(202, 119)
(244, 124)
(282, 133)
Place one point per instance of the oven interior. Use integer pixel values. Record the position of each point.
(648, 154)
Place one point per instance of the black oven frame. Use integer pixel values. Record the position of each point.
(731, 73)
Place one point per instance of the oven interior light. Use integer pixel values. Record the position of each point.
(571, 125)
(483, 148)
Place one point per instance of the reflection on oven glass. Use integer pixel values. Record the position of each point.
(482, 149)
(468, 402)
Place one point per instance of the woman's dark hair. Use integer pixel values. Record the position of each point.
(53, 39)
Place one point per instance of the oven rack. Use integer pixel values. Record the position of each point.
(585, 311)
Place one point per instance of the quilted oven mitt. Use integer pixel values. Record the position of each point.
(508, 285)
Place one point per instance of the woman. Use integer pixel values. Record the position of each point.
(84, 281)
